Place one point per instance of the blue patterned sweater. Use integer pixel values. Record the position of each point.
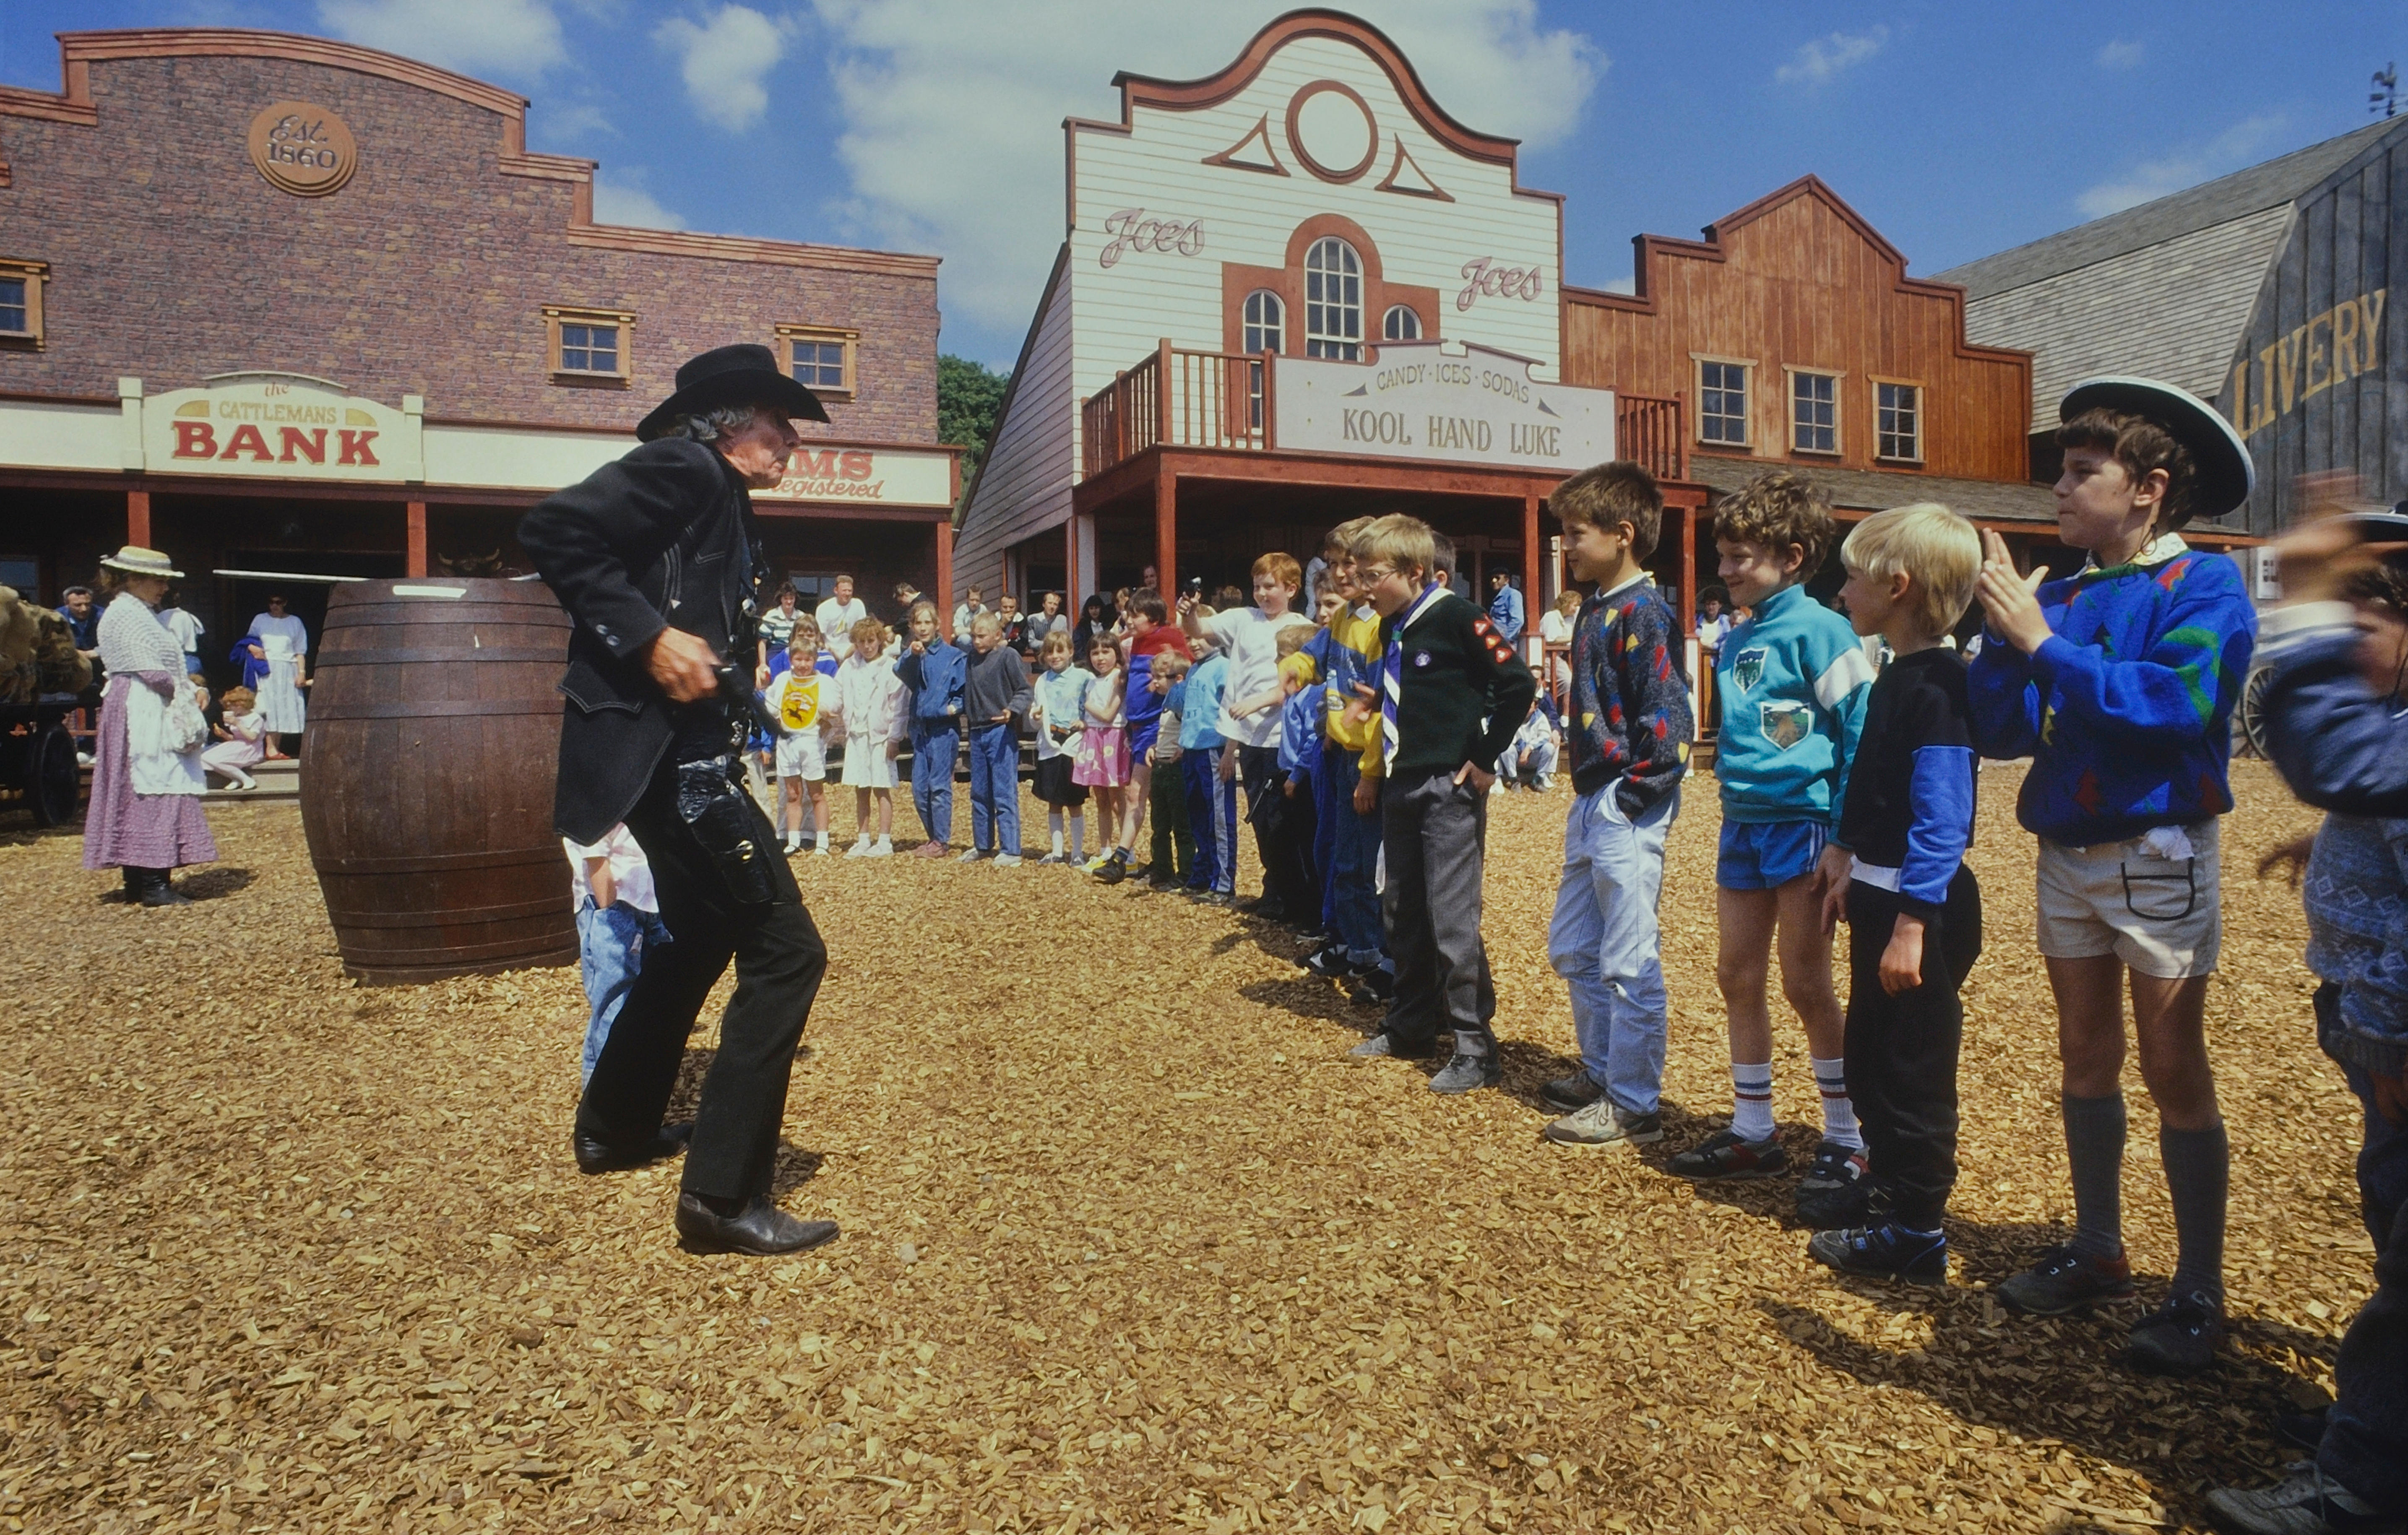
(2356, 896)
(1630, 714)
(2125, 709)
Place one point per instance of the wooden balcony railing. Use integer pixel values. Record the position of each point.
(1647, 430)
(1182, 399)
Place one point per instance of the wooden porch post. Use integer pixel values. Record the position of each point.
(1531, 579)
(417, 566)
(945, 568)
(137, 518)
(1689, 614)
(1165, 530)
(1072, 595)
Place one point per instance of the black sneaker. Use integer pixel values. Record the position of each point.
(1888, 1251)
(2064, 1280)
(1375, 987)
(1572, 1093)
(1167, 883)
(2305, 1502)
(1331, 964)
(1212, 897)
(2179, 1338)
(1304, 961)
(2302, 1428)
(1831, 1196)
(1725, 1156)
(1115, 869)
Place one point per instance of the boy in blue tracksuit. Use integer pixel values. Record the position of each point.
(1792, 679)
(2119, 683)
(934, 674)
(1212, 800)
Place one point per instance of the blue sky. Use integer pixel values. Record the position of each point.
(934, 124)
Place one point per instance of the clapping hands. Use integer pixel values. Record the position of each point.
(2009, 601)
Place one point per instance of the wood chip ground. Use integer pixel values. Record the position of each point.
(1128, 1243)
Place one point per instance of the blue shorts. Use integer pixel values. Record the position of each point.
(1767, 855)
(1142, 734)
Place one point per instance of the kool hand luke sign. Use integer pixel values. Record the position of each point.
(1425, 400)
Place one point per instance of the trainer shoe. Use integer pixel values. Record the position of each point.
(1831, 1196)
(860, 848)
(1383, 1044)
(1214, 898)
(1331, 964)
(2305, 1502)
(1888, 1251)
(2064, 1280)
(1577, 1091)
(1114, 870)
(1602, 1123)
(1375, 987)
(1007, 860)
(1465, 1072)
(2179, 1338)
(2302, 1428)
(1725, 1156)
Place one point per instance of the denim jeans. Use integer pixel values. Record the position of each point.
(1606, 945)
(932, 751)
(995, 789)
(610, 944)
(1353, 858)
(1326, 788)
(2365, 1445)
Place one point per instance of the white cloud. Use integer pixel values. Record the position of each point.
(518, 38)
(727, 63)
(2230, 151)
(1819, 61)
(618, 203)
(2120, 55)
(952, 108)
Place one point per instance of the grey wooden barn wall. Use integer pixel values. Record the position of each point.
(2318, 382)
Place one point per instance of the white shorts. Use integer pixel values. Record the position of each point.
(802, 754)
(2163, 916)
(867, 766)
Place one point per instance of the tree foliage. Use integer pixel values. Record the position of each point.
(970, 395)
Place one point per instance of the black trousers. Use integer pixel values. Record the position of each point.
(1434, 834)
(780, 961)
(1258, 774)
(1903, 1049)
(1283, 828)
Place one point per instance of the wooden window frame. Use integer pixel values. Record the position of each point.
(848, 339)
(1391, 312)
(35, 274)
(1360, 277)
(557, 315)
(1921, 394)
(1697, 361)
(1791, 373)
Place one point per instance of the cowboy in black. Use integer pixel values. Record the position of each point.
(656, 558)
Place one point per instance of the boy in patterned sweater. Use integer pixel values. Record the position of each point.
(1627, 735)
(2119, 681)
(1792, 679)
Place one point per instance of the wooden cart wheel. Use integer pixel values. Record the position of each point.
(53, 784)
(2252, 712)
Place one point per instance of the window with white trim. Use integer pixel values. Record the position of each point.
(1898, 421)
(1333, 300)
(1266, 323)
(1722, 402)
(1813, 412)
(1400, 324)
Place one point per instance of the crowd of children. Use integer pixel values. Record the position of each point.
(1367, 736)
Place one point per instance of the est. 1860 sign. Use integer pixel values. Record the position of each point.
(304, 149)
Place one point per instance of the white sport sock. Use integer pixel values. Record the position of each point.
(1078, 836)
(1839, 1126)
(1752, 1102)
(1053, 824)
(819, 840)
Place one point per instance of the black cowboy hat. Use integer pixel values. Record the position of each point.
(2222, 473)
(744, 374)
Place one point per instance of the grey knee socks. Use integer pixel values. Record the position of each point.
(2094, 1145)
(2198, 1168)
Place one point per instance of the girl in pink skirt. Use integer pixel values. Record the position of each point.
(1103, 760)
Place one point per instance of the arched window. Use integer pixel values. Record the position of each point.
(1333, 300)
(1400, 324)
(1266, 327)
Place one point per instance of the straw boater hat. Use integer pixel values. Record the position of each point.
(744, 374)
(134, 560)
(2221, 474)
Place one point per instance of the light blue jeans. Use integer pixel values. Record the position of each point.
(1606, 945)
(610, 944)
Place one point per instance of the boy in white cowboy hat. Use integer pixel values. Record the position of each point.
(2118, 681)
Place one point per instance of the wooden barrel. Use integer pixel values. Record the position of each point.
(426, 778)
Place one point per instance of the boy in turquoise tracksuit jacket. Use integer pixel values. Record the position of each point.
(1793, 680)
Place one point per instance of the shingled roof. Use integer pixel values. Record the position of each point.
(1877, 489)
(2162, 289)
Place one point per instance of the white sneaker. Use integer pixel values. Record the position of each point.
(1007, 860)
(884, 849)
(969, 856)
(1498, 787)
(1052, 858)
(859, 849)
(1543, 782)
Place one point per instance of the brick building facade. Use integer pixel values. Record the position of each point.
(137, 210)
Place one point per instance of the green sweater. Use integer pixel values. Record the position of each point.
(1462, 691)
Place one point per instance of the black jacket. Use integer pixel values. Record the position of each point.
(1464, 690)
(666, 530)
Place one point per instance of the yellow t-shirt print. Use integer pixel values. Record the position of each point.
(800, 708)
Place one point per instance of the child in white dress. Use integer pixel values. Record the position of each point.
(242, 738)
(870, 697)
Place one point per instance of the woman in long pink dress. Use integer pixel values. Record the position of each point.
(146, 813)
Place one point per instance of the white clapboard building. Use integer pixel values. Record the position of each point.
(1290, 294)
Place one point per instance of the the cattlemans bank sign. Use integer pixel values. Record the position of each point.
(1435, 400)
(277, 426)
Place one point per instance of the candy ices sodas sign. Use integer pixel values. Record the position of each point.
(1433, 400)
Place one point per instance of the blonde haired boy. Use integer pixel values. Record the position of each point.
(1914, 911)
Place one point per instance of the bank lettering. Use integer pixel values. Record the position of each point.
(199, 439)
(1132, 231)
(2331, 348)
(1484, 278)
